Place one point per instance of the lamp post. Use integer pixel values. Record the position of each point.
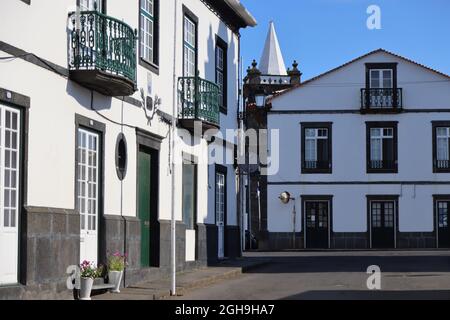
(285, 197)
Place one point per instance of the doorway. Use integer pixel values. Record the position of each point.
(221, 208)
(383, 222)
(317, 222)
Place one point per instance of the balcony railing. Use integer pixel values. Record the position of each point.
(382, 164)
(101, 43)
(320, 165)
(199, 101)
(381, 99)
(442, 164)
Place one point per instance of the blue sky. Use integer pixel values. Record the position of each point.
(323, 34)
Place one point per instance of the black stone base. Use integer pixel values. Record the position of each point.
(349, 240)
(416, 240)
(284, 241)
(50, 242)
(232, 242)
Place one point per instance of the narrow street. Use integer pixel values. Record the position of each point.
(337, 275)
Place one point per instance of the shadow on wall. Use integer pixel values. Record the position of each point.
(83, 97)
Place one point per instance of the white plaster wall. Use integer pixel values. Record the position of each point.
(341, 89)
(415, 157)
(350, 206)
(42, 29)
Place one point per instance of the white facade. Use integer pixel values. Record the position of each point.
(335, 98)
(41, 29)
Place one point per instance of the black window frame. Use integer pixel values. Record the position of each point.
(381, 124)
(191, 16)
(222, 44)
(317, 125)
(435, 125)
(152, 66)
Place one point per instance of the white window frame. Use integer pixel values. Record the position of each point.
(381, 78)
(446, 136)
(315, 137)
(380, 137)
(87, 224)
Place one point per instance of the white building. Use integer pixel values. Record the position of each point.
(87, 103)
(364, 153)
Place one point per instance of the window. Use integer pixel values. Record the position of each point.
(91, 5)
(190, 47)
(381, 90)
(149, 33)
(221, 72)
(441, 146)
(316, 148)
(381, 78)
(382, 147)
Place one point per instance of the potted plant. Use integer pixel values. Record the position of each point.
(87, 275)
(116, 265)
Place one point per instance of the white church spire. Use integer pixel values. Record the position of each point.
(272, 60)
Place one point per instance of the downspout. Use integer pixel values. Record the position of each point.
(172, 164)
(240, 114)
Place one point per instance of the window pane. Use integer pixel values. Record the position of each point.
(387, 78)
(375, 149)
(442, 149)
(310, 150)
(374, 78)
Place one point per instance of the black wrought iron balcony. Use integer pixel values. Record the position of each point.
(382, 164)
(381, 100)
(442, 164)
(102, 53)
(198, 102)
(323, 166)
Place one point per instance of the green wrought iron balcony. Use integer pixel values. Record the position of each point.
(198, 102)
(102, 53)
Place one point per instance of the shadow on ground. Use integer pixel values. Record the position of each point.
(371, 295)
(357, 263)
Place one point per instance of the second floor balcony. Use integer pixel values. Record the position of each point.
(102, 53)
(381, 100)
(198, 102)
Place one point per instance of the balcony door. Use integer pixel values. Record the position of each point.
(88, 192)
(9, 193)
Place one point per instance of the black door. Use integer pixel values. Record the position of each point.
(443, 227)
(382, 220)
(317, 224)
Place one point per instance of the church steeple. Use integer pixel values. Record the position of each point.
(272, 62)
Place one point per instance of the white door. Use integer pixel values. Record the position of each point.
(9, 194)
(220, 213)
(87, 193)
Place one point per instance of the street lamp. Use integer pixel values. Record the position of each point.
(260, 99)
(285, 197)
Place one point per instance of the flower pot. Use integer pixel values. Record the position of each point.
(115, 278)
(85, 288)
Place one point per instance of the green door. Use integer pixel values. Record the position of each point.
(144, 169)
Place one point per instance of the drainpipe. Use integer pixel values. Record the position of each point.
(172, 159)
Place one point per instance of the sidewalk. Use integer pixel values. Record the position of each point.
(160, 289)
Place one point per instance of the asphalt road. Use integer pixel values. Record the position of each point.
(338, 275)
